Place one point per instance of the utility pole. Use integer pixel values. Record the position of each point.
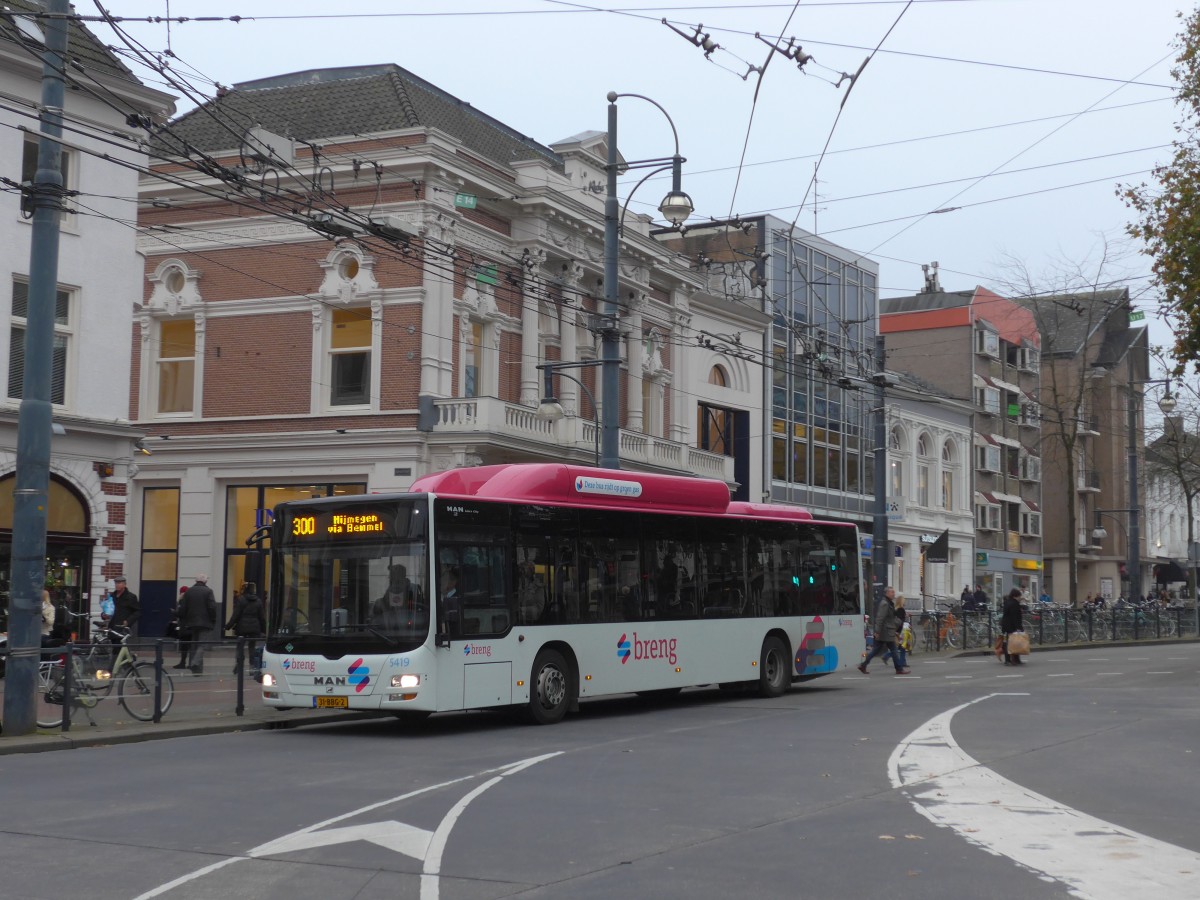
(879, 533)
(34, 423)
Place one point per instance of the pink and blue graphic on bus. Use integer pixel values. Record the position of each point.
(359, 675)
(650, 648)
(814, 656)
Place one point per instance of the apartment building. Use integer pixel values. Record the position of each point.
(92, 448)
(984, 350)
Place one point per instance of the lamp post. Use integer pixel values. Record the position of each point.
(551, 410)
(675, 207)
(1167, 405)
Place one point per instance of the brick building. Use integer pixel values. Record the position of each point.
(351, 278)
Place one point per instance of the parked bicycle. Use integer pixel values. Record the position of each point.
(91, 683)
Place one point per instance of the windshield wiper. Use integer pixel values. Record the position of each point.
(363, 626)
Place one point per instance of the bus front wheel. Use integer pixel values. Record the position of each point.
(773, 668)
(549, 688)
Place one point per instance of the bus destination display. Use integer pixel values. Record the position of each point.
(322, 525)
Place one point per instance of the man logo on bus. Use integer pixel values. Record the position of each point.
(651, 648)
(359, 676)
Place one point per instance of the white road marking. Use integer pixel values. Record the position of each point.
(393, 835)
(1160, 673)
(1110, 673)
(959, 677)
(1062, 675)
(1094, 859)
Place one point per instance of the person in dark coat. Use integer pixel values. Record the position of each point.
(979, 600)
(249, 621)
(197, 618)
(1010, 621)
(126, 608)
(886, 625)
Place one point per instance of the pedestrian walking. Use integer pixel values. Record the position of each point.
(1010, 621)
(885, 632)
(127, 609)
(249, 621)
(197, 621)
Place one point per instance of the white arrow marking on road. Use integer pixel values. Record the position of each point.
(390, 834)
(1095, 859)
(406, 839)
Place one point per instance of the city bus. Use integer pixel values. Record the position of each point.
(536, 586)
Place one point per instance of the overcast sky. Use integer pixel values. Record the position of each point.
(1019, 116)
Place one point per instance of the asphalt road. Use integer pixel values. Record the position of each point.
(839, 789)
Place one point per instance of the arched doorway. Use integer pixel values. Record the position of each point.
(68, 546)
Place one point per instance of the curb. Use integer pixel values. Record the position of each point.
(78, 740)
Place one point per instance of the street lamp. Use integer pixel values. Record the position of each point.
(675, 207)
(551, 410)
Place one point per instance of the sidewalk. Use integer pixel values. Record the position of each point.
(203, 704)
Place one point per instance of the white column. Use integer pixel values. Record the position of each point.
(633, 390)
(681, 419)
(437, 313)
(531, 390)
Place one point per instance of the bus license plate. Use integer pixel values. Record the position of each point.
(331, 702)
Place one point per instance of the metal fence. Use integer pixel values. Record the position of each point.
(957, 630)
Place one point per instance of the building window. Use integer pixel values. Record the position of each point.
(1031, 523)
(989, 400)
(176, 366)
(29, 164)
(61, 349)
(923, 485)
(714, 429)
(472, 353)
(987, 343)
(350, 358)
(987, 517)
(717, 376)
(988, 458)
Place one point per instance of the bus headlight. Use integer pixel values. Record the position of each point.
(268, 679)
(406, 681)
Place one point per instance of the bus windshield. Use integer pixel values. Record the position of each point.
(371, 593)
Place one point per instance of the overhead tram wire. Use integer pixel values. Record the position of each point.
(945, 204)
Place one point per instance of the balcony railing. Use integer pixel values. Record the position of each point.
(1087, 480)
(572, 438)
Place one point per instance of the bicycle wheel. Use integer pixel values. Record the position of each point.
(50, 697)
(951, 638)
(135, 689)
(98, 659)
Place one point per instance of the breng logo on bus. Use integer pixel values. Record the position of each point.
(651, 648)
(300, 665)
(359, 675)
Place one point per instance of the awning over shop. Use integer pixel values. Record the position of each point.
(1168, 572)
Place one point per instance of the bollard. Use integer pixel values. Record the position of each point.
(158, 674)
(68, 685)
(241, 675)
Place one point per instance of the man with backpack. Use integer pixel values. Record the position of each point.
(249, 621)
(197, 618)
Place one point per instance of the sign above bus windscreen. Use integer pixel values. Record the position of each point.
(308, 524)
(609, 487)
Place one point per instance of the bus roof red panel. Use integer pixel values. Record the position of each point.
(769, 511)
(560, 484)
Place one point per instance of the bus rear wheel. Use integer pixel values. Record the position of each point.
(549, 688)
(773, 668)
